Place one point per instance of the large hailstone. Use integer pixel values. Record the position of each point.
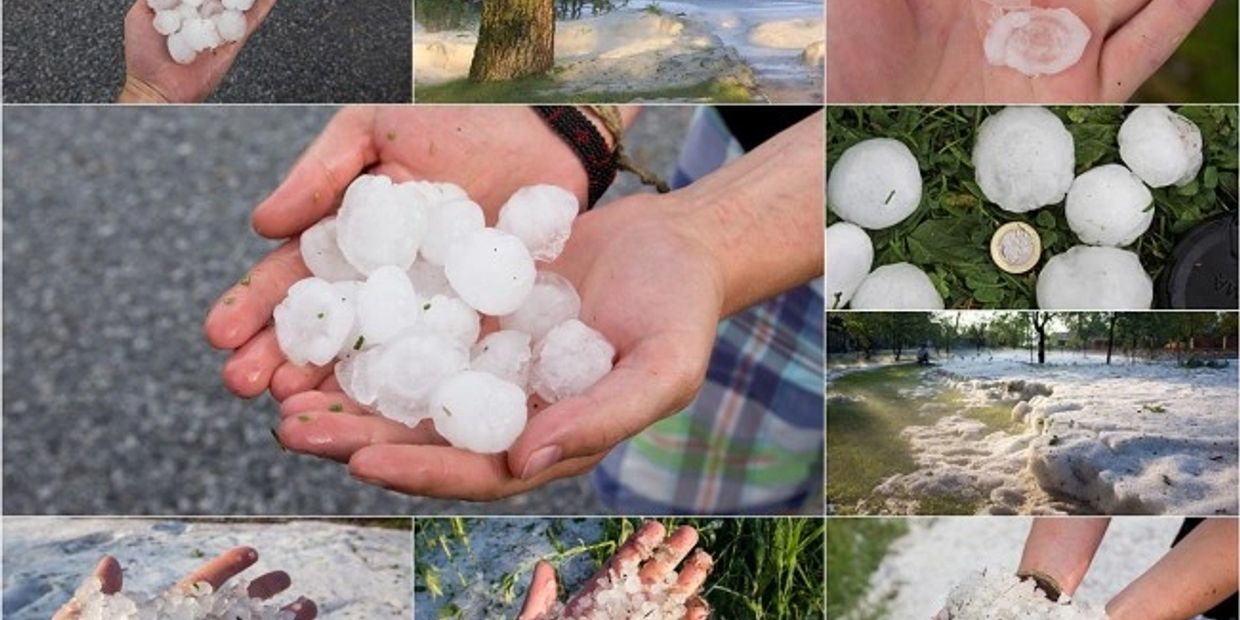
(542, 217)
(1024, 158)
(875, 184)
(312, 322)
(552, 301)
(571, 358)
(448, 222)
(850, 254)
(453, 318)
(380, 224)
(505, 354)
(387, 305)
(1160, 146)
(408, 370)
(901, 286)
(321, 253)
(1109, 205)
(1094, 278)
(491, 270)
(1037, 41)
(194, 26)
(479, 412)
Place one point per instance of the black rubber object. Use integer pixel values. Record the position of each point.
(1203, 270)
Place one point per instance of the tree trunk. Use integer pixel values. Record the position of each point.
(517, 38)
(1039, 324)
(1111, 338)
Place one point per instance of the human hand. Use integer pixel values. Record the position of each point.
(930, 51)
(646, 545)
(215, 572)
(151, 76)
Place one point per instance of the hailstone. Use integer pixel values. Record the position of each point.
(505, 354)
(875, 184)
(312, 322)
(321, 253)
(1094, 278)
(447, 223)
(453, 318)
(571, 358)
(901, 286)
(387, 305)
(850, 254)
(541, 216)
(1160, 146)
(379, 224)
(479, 411)
(409, 369)
(194, 26)
(1037, 41)
(429, 280)
(552, 301)
(1024, 158)
(1109, 205)
(491, 270)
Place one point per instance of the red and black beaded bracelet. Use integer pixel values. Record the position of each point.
(587, 142)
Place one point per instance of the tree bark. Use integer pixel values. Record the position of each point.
(516, 39)
(1111, 338)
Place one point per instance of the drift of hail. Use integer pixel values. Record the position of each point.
(194, 26)
(199, 602)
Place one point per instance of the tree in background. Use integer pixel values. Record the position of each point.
(516, 39)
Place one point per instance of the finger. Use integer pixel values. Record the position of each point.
(693, 574)
(257, 15)
(330, 384)
(640, 545)
(110, 576)
(245, 308)
(649, 383)
(315, 400)
(339, 437)
(269, 585)
(446, 472)
(290, 379)
(542, 593)
(696, 608)
(221, 568)
(303, 609)
(318, 180)
(669, 554)
(1136, 51)
(248, 372)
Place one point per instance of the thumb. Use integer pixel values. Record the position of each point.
(542, 594)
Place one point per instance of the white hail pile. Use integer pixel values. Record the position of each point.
(402, 276)
(621, 595)
(199, 602)
(999, 596)
(194, 26)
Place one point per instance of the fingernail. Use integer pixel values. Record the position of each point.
(540, 460)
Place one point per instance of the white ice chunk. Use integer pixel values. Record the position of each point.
(167, 21)
(1109, 205)
(505, 354)
(162, 5)
(571, 358)
(387, 305)
(200, 34)
(875, 184)
(479, 412)
(1024, 158)
(322, 254)
(378, 225)
(312, 322)
(542, 217)
(408, 370)
(447, 223)
(850, 254)
(429, 280)
(451, 317)
(491, 270)
(180, 49)
(238, 5)
(357, 378)
(901, 286)
(231, 25)
(1094, 278)
(552, 301)
(1160, 146)
(1037, 41)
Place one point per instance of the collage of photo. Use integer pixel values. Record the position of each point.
(519, 309)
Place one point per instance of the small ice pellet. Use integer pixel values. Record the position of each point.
(322, 255)
(552, 301)
(167, 22)
(312, 322)
(571, 358)
(479, 412)
(378, 226)
(180, 49)
(409, 369)
(453, 318)
(448, 222)
(387, 305)
(505, 354)
(231, 25)
(541, 216)
(492, 271)
(429, 279)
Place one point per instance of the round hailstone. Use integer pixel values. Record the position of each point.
(200, 34)
(408, 370)
(491, 270)
(570, 359)
(1024, 158)
(505, 354)
(378, 225)
(541, 216)
(1094, 278)
(357, 378)
(348, 290)
(448, 223)
(322, 254)
(897, 287)
(1037, 41)
(167, 21)
(180, 49)
(479, 412)
(231, 25)
(1160, 146)
(387, 305)
(238, 5)
(429, 280)
(552, 301)
(453, 318)
(850, 255)
(162, 5)
(1109, 205)
(312, 322)
(875, 184)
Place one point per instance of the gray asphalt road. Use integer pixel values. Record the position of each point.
(121, 226)
(308, 51)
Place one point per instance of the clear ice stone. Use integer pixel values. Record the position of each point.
(321, 252)
(570, 359)
(541, 216)
(505, 354)
(552, 301)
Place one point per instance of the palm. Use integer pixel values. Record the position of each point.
(931, 51)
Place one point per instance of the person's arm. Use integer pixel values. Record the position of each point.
(1192, 578)
(1058, 551)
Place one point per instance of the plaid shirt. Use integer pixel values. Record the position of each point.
(752, 440)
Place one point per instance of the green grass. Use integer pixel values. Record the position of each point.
(864, 446)
(949, 234)
(855, 548)
(544, 89)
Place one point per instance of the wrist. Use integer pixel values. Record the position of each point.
(138, 91)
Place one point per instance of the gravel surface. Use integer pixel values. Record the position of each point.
(308, 51)
(121, 226)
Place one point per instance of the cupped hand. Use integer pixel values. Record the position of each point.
(216, 572)
(930, 51)
(658, 558)
(151, 76)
